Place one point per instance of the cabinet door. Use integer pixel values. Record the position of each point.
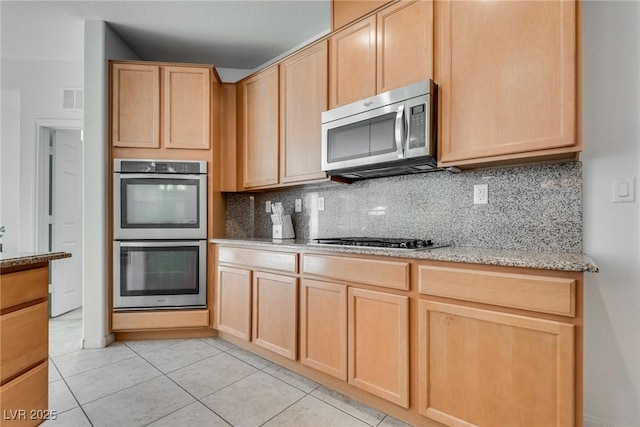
(379, 344)
(323, 327)
(303, 98)
(353, 63)
(187, 107)
(507, 78)
(405, 44)
(275, 313)
(260, 128)
(346, 11)
(233, 302)
(479, 367)
(135, 105)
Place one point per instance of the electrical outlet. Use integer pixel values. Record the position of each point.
(267, 206)
(320, 203)
(481, 194)
(298, 205)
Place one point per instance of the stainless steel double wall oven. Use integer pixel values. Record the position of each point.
(160, 230)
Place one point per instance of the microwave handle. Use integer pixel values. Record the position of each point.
(400, 131)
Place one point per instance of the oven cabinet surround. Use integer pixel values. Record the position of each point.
(160, 105)
(24, 327)
(279, 112)
(167, 111)
(410, 337)
(500, 101)
(384, 51)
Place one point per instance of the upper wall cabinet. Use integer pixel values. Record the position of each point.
(506, 73)
(280, 110)
(187, 107)
(346, 11)
(259, 128)
(303, 98)
(388, 50)
(135, 99)
(137, 116)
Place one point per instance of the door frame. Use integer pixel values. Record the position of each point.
(43, 128)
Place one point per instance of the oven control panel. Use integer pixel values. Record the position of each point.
(160, 166)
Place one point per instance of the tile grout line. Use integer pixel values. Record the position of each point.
(72, 394)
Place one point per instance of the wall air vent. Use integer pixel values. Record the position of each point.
(72, 99)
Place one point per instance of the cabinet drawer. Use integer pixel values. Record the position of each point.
(390, 274)
(23, 286)
(25, 339)
(554, 295)
(29, 393)
(282, 261)
(159, 319)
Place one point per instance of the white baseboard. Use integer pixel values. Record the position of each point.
(590, 421)
(98, 343)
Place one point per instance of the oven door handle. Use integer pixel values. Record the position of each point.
(160, 244)
(159, 176)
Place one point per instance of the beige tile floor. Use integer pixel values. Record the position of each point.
(184, 383)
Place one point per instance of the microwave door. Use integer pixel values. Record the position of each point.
(362, 139)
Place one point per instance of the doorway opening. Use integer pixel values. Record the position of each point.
(59, 207)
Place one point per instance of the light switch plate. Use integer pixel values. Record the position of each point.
(267, 206)
(298, 205)
(624, 190)
(320, 203)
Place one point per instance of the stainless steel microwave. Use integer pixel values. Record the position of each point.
(388, 134)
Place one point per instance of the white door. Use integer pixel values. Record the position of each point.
(66, 229)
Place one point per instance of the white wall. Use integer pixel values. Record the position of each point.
(611, 117)
(10, 169)
(39, 83)
(100, 45)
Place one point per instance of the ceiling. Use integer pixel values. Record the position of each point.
(226, 33)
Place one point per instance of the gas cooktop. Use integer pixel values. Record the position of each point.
(377, 242)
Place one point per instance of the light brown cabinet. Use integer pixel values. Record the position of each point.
(135, 105)
(323, 327)
(345, 11)
(511, 369)
(378, 351)
(233, 302)
(140, 120)
(258, 306)
(275, 313)
(303, 98)
(506, 73)
(258, 96)
(24, 351)
(388, 50)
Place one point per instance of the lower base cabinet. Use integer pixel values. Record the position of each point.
(323, 327)
(379, 344)
(275, 313)
(233, 302)
(479, 367)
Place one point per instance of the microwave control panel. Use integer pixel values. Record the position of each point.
(417, 126)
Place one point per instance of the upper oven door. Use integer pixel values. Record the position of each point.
(160, 206)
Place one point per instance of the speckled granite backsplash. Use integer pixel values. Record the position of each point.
(535, 208)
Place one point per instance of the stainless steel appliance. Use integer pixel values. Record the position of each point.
(160, 199)
(378, 242)
(388, 134)
(159, 274)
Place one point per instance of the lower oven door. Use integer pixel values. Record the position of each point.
(159, 274)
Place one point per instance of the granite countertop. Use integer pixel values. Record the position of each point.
(560, 261)
(14, 259)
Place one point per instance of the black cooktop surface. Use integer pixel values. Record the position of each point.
(379, 242)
